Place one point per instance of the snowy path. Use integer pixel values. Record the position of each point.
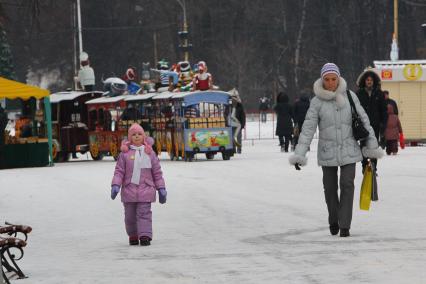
(253, 219)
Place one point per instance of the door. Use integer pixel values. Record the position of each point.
(423, 112)
(410, 109)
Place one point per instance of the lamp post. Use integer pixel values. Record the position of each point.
(80, 37)
(184, 33)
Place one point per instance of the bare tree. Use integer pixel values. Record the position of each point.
(299, 44)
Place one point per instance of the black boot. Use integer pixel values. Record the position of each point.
(344, 232)
(145, 241)
(334, 229)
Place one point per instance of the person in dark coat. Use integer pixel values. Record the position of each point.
(372, 100)
(284, 113)
(300, 109)
(238, 116)
(241, 115)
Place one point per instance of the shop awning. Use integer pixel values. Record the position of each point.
(12, 90)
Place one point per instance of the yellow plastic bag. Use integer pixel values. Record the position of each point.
(366, 188)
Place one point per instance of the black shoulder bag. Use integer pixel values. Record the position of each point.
(358, 129)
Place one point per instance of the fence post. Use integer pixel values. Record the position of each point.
(259, 126)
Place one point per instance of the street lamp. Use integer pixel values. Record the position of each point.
(183, 5)
(183, 35)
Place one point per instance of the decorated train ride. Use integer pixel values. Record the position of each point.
(178, 107)
(183, 113)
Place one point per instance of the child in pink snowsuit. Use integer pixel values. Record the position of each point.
(138, 173)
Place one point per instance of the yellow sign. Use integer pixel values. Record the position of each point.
(412, 72)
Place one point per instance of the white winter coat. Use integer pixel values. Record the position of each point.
(331, 113)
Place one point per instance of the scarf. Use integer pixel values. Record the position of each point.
(142, 161)
(329, 95)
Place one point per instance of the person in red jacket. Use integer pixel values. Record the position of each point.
(392, 131)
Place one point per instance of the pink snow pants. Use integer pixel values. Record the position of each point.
(138, 219)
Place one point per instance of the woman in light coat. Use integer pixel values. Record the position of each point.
(330, 111)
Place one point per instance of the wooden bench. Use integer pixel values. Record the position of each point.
(14, 230)
(9, 245)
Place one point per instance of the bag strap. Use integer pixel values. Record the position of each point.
(352, 103)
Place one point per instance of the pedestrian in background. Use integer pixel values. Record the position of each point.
(392, 132)
(263, 108)
(301, 107)
(3, 123)
(284, 129)
(371, 97)
(390, 101)
(238, 119)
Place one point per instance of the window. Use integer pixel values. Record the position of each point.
(54, 112)
(93, 116)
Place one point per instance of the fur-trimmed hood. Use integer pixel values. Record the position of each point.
(326, 95)
(360, 82)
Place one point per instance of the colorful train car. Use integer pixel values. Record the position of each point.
(70, 123)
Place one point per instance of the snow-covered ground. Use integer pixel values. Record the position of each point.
(253, 219)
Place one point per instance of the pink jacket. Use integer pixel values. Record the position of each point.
(393, 127)
(150, 179)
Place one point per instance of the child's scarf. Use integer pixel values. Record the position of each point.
(142, 161)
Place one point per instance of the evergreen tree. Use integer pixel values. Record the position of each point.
(6, 65)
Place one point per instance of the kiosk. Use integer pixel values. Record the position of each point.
(29, 142)
(406, 82)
